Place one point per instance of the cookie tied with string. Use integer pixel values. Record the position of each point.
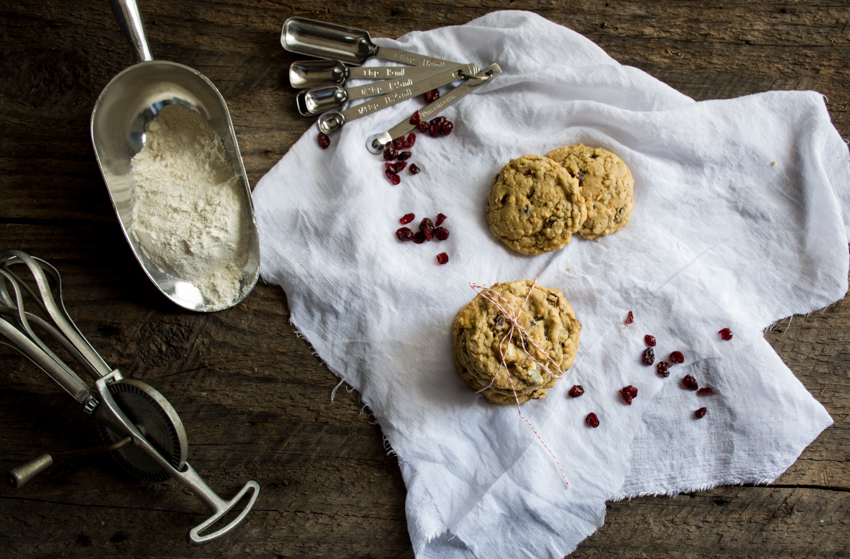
(514, 341)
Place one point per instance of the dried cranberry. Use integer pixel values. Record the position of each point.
(689, 382)
(440, 120)
(528, 173)
(629, 393)
(576, 391)
(410, 140)
(706, 391)
(418, 238)
(414, 169)
(399, 166)
(404, 156)
(392, 177)
(407, 218)
(447, 127)
(440, 219)
(591, 420)
(662, 369)
(648, 356)
(442, 258)
(677, 357)
(390, 152)
(427, 228)
(404, 234)
(441, 233)
(650, 340)
(700, 413)
(324, 140)
(725, 334)
(423, 126)
(434, 130)
(629, 318)
(398, 143)
(415, 118)
(432, 96)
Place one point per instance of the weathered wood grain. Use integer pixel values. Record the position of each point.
(254, 398)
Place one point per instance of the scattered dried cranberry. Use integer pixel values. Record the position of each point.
(418, 238)
(706, 391)
(650, 340)
(442, 258)
(441, 233)
(415, 118)
(663, 369)
(427, 228)
(591, 420)
(677, 357)
(725, 334)
(324, 140)
(689, 382)
(629, 318)
(576, 391)
(392, 177)
(629, 393)
(440, 219)
(404, 156)
(700, 413)
(390, 152)
(432, 96)
(414, 169)
(434, 129)
(399, 166)
(404, 234)
(648, 357)
(447, 127)
(410, 140)
(407, 218)
(423, 126)
(398, 143)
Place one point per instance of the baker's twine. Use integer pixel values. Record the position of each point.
(491, 296)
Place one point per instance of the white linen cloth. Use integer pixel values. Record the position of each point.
(737, 223)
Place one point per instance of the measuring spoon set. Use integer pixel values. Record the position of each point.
(322, 81)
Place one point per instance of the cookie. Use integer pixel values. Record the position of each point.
(606, 185)
(535, 206)
(480, 329)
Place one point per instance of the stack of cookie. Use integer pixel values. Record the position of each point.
(535, 355)
(537, 203)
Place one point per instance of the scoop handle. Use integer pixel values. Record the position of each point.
(131, 23)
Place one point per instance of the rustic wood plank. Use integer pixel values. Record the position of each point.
(254, 398)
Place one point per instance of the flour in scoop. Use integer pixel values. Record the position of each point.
(189, 218)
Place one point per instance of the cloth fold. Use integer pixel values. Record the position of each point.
(737, 222)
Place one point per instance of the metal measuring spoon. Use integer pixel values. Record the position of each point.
(332, 121)
(131, 100)
(376, 143)
(322, 99)
(346, 44)
(307, 74)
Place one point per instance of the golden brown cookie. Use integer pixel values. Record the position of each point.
(480, 328)
(535, 206)
(606, 185)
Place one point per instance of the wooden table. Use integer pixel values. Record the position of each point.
(254, 399)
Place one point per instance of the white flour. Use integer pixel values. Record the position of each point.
(189, 217)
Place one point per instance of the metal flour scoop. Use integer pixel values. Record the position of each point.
(127, 104)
